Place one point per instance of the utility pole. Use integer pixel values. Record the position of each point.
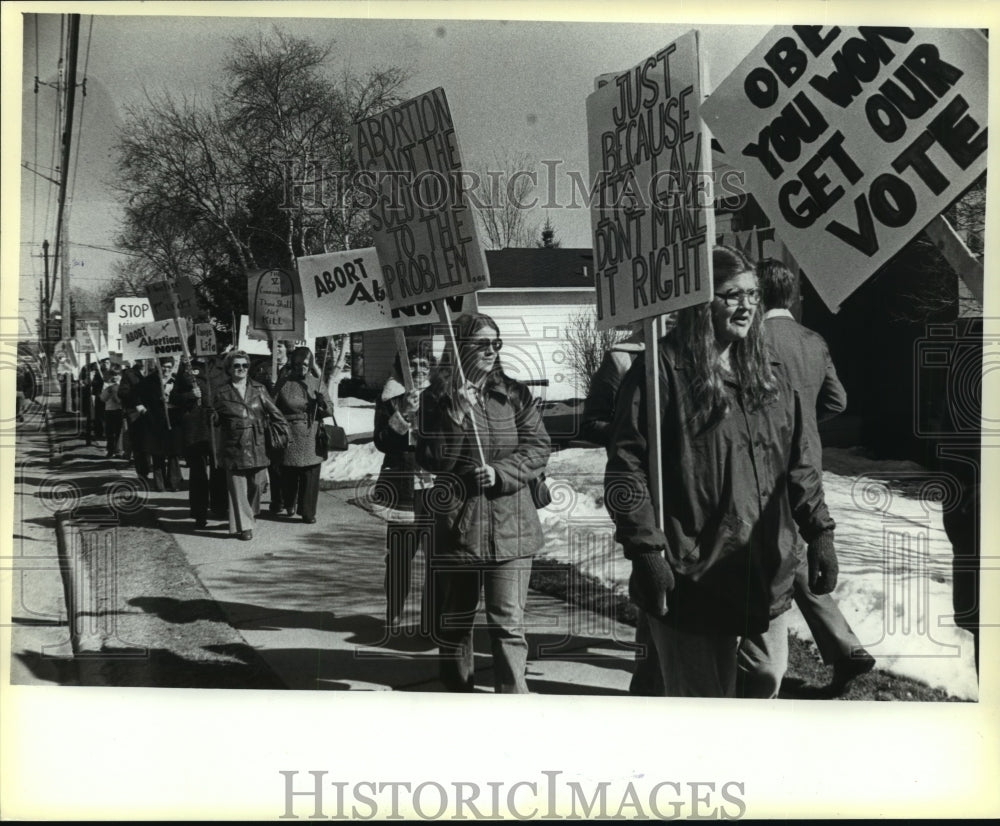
(61, 241)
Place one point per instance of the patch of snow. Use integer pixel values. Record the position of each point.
(895, 559)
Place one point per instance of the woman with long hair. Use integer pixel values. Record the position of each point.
(243, 409)
(739, 476)
(402, 484)
(481, 434)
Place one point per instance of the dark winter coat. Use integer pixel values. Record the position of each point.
(500, 523)
(599, 406)
(194, 413)
(733, 494)
(242, 422)
(807, 360)
(304, 408)
(159, 439)
(395, 485)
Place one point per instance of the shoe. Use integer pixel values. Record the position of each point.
(309, 520)
(847, 668)
(200, 522)
(245, 535)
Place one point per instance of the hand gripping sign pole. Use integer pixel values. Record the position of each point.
(445, 315)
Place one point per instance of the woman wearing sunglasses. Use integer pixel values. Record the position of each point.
(739, 476)
(243, 408)
(481, 434)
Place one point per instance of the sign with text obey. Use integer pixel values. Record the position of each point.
(344, 292)
(853, 139)
(652, 212)
(423, 228)
(275, 303)
(152, 339)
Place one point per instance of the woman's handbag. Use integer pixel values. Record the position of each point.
(275, 435)
(540, 493)
(330, 436)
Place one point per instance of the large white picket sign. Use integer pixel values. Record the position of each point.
(652, 215)
(153, 339)
(343, 292)
(853, 139)
(423, 227)
(128, 310)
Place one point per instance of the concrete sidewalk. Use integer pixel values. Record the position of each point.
(309, 599)
(306, 601)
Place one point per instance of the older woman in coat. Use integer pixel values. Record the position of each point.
(298, 397)
(243, 408)
(486, 529)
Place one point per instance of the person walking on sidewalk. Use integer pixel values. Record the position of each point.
(807, 359)
(135, 417)
(716, 579)
(262, 373)
(402, 485)
(162, 432)
(299, 398)
(206, 481)
(112, 412)
(598, 414)
(484, 440)
(243, 409)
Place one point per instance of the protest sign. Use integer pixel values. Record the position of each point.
(168, 298)
(84, 342)
(259, 346)
(343, 292)
(128, 310)
(153, 339)
(854, 139)
(204, 340)
(423, 228)
(652, 211)
(275, 304)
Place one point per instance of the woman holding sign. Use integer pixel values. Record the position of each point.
(481, 434)
(738, 476)
(243, 409)
(401, 484)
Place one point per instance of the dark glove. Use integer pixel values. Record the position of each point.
(822, 559)
(650, 583)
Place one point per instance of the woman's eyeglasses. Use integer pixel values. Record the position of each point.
(734, 298)
(481, 345)
(240, 365)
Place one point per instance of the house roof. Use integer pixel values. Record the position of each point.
(541, 268)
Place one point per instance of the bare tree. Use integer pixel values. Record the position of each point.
(501, 197)
(587, 345)
(256, 175)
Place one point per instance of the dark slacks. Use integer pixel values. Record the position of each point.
(299, 490)
(113, 430)
(274, 483)
(206, 486)
(402, 541)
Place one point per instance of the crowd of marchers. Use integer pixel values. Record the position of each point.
(744, 533)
